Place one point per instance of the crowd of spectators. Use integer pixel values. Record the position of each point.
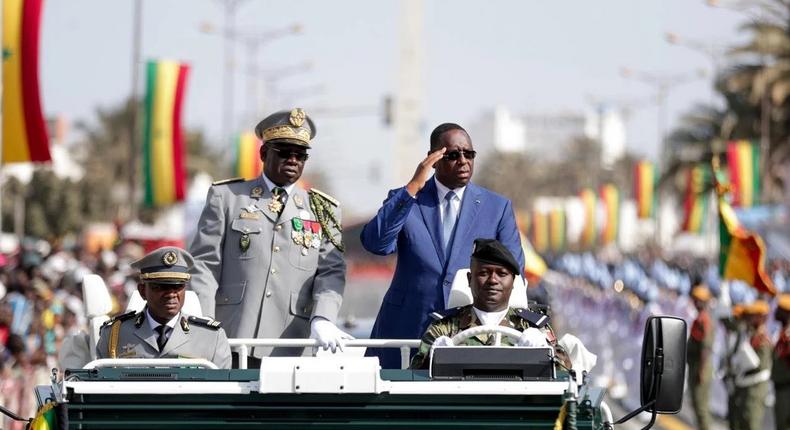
(41, 304)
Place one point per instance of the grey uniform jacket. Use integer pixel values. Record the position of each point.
(251, 274)
(192, 337)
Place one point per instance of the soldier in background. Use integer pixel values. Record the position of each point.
(161, 330)
(780, 374)
(752, 386)
(735, 327)
(698, 357)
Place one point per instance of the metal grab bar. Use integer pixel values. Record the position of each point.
(150, 362)
(243, 344)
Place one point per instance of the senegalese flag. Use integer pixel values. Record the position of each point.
(557, 229)
(587, 196)
(45, 419)
(540, 231)
(247, 159)
(695, 202)
(610, 197)
(741, 252)
(534, 266)
(645, 181)
(743, 161)
(24, 130)
(163, 146)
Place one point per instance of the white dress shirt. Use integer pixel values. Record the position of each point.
(270, 185)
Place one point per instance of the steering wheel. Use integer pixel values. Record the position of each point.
(486, 329)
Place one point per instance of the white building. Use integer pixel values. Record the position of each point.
(606, 125)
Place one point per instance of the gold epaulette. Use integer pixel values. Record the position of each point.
(228, 181)
(121, 317)
(325, 196)
(205, 322)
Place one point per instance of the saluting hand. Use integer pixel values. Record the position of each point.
(423, 172)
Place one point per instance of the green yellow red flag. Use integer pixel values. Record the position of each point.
(25, 136)
(645, 180)
(695, 203)
(164, 152)
(743, 162)
(610, 197)
(741, 252)
(247, 158)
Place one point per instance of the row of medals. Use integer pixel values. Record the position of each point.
(305, 236)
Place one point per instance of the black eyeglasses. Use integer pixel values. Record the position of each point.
(288, 153)
(455, 155)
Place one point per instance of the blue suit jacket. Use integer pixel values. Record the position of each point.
(412, 228)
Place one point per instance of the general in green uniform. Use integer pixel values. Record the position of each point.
(161, 330)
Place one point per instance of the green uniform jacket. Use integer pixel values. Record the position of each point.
(463, 318)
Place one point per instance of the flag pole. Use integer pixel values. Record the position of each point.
(136, 32)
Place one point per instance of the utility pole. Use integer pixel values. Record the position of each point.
(409, 98)
(228, 87)
(133, 100)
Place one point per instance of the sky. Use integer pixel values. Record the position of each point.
(530, 56)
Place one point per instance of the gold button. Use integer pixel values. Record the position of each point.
(273, 270)
(304, 251)
(276, 249)
(246, 230)
(278, 228)
(268, 294)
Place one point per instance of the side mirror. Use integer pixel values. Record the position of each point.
(663, 364)
(663, 368)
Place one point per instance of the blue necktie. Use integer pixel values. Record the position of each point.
(450, 216)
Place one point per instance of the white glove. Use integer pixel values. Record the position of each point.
(327, 334)
(581, 358)
(532, 337)
(443, 341)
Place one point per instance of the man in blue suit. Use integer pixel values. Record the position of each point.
(432, 223)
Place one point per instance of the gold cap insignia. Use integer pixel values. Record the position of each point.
(297, 117)
(169, 258)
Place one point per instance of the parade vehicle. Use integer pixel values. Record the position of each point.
(464, 387)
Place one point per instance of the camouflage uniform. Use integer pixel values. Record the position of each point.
(453, 321)
(700, 345)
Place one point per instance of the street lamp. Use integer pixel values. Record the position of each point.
(253, 42)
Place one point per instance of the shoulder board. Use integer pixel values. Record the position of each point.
(535, 318)
(205, 322)
(446, 313)
(326, 196)
(121, 317)
(228, 181)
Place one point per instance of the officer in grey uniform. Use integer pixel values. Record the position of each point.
(161, 330)
(268, 253)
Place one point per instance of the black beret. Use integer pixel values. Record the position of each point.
(292, 126)
(492, 251)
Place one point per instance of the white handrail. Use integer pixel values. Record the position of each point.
(150, 362)
(243, 344)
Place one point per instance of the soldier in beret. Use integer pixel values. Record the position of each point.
(161, 330)
(269, 254)
(492, 271)
(751, 387)
(698, 356)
